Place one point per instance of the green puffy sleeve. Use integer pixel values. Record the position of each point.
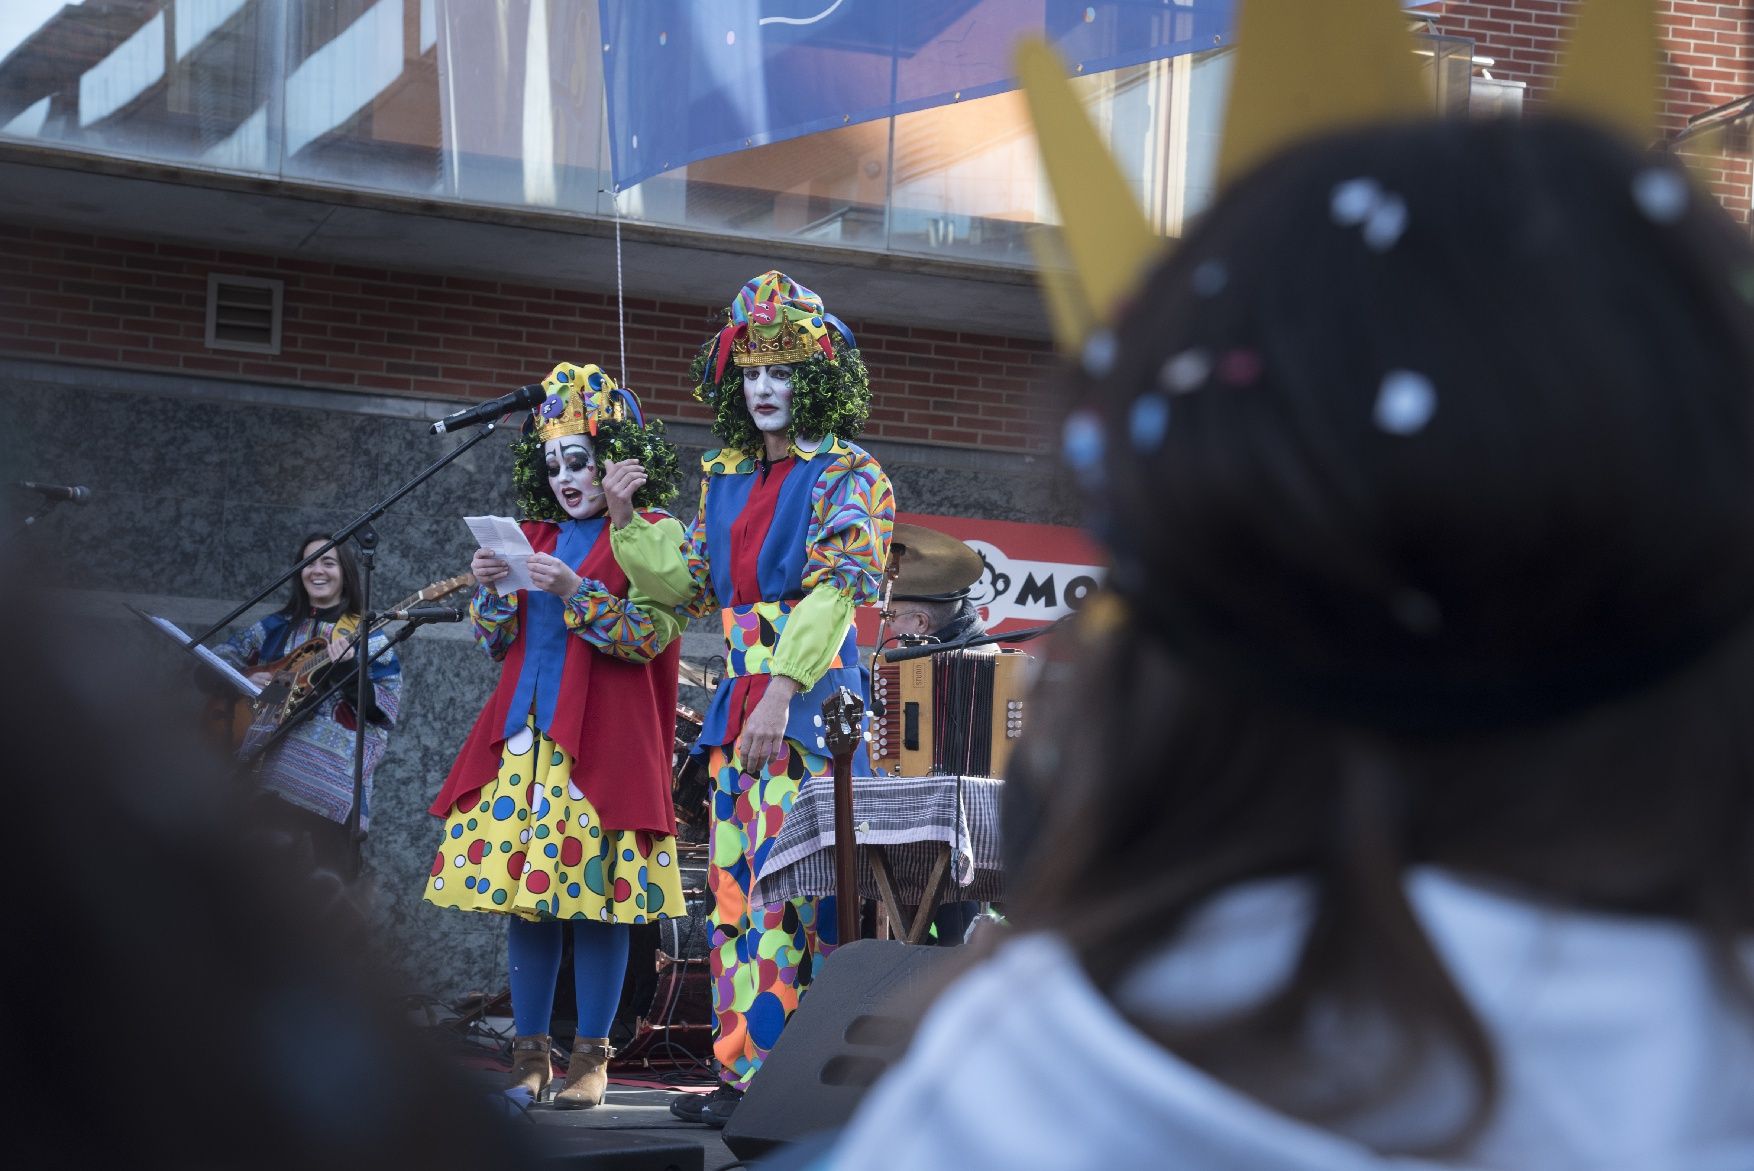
(813, 635)
(656, 556)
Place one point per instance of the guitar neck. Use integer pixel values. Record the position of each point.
(434, 591)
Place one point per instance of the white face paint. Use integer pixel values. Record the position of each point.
(322, 577)
(572, 475)
(767, 392)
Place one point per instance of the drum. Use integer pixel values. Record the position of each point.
(665, 1016)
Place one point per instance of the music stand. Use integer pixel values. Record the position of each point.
(211, 664)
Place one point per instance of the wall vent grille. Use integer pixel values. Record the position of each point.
(243, 313)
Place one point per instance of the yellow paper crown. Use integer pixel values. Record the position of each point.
(579, 398)
(1302, 69)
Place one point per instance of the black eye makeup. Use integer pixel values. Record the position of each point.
(576, 459)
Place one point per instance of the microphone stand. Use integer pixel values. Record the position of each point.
(359, 530)
(885, 615)
(346, 532)
(37, 513)
(367, 540)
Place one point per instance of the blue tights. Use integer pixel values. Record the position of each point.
(599, 967)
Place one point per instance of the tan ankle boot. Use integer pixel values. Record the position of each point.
(587, 1074)
(531, 1067)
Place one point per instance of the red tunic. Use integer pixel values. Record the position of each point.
(615, 718)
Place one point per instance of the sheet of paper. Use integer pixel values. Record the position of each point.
(502, 535)
(220, 667)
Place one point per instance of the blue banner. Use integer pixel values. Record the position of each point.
(689, 79)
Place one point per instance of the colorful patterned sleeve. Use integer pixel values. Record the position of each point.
(852, 516)
(631, 628)
(494, 621)
(666, 565)
(853, 513)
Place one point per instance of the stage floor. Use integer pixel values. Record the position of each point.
(639, 1111)
(636, 1105)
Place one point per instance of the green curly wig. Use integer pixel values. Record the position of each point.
(828, 398)
(616, 439)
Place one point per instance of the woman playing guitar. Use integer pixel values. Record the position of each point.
(307, 776)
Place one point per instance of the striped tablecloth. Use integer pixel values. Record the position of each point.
(907, 815)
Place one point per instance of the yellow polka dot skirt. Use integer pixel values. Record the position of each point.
(530, 844)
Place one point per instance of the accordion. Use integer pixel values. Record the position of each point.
(955, 713)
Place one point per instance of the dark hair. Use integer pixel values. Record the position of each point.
(298, 602)
(1508, 636)
(828, 398)
(616, 439)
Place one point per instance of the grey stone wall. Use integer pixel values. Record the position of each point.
(202, 489)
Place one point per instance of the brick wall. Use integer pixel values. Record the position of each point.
(1708, 60)
(142, 305)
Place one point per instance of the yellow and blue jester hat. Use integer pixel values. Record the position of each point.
(585, 400)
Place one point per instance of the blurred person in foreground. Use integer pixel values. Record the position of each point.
(185, 993)
(1402, 811)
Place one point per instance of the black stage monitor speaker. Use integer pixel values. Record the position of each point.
(852, 1024)
(581, 1148)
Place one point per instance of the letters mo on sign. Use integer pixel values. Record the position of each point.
(1022, 590)
(1030, 574)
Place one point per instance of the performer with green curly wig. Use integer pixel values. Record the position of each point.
(558, 807)
(792, 533)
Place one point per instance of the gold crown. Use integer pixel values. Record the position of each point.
(579, 397)
(789, 343)
(1302, 69)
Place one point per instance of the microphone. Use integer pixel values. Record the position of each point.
(901, 654)
(76, 494)
(426, 614)
(525, 398)
(919, 651)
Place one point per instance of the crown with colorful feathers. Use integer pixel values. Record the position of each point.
(579, 398)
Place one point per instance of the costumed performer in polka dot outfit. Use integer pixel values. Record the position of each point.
(558, 807)
(792, 532)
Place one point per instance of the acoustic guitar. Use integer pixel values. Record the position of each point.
(294, 674)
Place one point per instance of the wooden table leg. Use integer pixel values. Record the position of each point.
(922, 920)
(912, 927)
(886, 891)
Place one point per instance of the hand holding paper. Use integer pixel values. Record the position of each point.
(502, 535)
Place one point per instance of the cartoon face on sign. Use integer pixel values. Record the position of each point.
(1018, 589)
(990, 586)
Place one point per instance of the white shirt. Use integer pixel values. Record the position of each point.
(1618, 1050)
